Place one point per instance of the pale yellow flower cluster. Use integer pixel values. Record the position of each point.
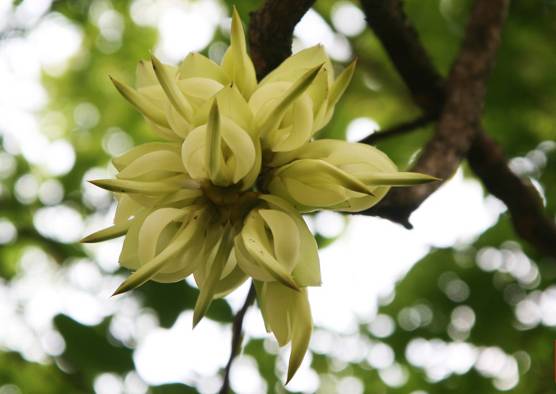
(221, 198)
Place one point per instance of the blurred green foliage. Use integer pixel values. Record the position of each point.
(520, 114)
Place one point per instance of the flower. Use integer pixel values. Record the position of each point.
(221, 198)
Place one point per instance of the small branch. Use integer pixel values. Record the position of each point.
(271, 31)
(237, 338)
(520, 196)
(396, 131)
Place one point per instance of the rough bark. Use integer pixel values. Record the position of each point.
(461, 103)
(271, 32)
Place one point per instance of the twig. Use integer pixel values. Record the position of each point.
(237, 337)
(398, 130)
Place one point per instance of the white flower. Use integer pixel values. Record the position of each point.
(221, 198)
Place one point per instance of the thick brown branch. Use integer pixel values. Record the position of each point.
(465, 93)
(462, 106)
(520, 196)
(271, 32)
(485, 157)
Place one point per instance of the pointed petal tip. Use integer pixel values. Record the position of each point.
(196, 319)
(102, 183)
(86, 239)
(425, 178)
(115, 81)
(155, 62)
(97, 182)
(290, 376)
(290, 282)
(120, 290)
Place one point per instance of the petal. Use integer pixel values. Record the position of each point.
(230, 282)
(255, 244)
(196, 65)
(193, 153)
(127, 186)
(134, 153)
(208, 290)
(295, 65)
(251, 177)
(247, 264)
(242, 148)
(302, 326)
(307, 270)
(213, 149)
(301, 127)
(111, 232)
(161, 161)
(144, 74)
(340, 84)
(169, 84)
(164, 132)
(143, 104)
(152, 229)
(278, 299)
(178, 124)
(148, 270)
(199, 90)
(128, 256)
(308, 170)
(236, 61)
(190, 260)
(286, 237)
(308, 195)
(126, 208)
(281, 105)
(232, 105)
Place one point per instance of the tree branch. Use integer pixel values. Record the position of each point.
(464, 94)
(237, 338)
(401, 41)
(485, 156)
(398, 130)
(522, 199)
(271, 32)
